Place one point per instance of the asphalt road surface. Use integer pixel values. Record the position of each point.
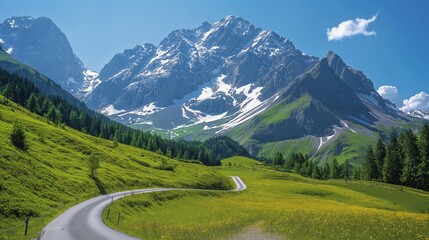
(84, 220)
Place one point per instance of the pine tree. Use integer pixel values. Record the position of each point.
(380, 155)
(326, 171)
(297, 167)
(316, 172)
(279, 160)
(370, 168)
(59, 116)
(179, 154)
(7, 91)
(346, 170)
(392, 163)
(186, 155)
(423, 167)
(334, 174)
(309, 168)
(200, 156)
(74, 120)
(169, 153)
(411, 159)
(356, 173)
(32, 104)
(51, 114)
(60, 111)
(291, 162)
(134, 140)
(45, 105)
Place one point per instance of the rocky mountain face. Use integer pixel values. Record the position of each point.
(39, 43)
(215, 70)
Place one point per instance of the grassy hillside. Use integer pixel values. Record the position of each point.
(281, 204)
(349, 146)
(53, 174)
(303, 145)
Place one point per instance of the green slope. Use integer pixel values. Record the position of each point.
(348, 146)
(53, 173)
(276, 114)
(303, 145)
(282, 111)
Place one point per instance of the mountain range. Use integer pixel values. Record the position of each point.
(225, 78)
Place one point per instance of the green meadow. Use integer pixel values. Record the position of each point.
(281, 205)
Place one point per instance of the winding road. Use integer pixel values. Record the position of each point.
(84, 220)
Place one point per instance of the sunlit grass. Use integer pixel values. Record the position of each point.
(282, 204)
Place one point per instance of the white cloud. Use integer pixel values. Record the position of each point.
(351, 28)
(1, 41)
(418, 101)
(390, 93)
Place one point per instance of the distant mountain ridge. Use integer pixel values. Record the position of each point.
(39, 43)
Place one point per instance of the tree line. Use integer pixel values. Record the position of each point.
(302, 164)
(404, 161)
(78, 116)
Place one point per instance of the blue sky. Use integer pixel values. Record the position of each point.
(396, 55)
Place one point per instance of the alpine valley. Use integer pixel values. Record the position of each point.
(225, 78)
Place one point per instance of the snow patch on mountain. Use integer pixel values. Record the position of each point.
(147, 109)
(209, 92)
(418, 113)
(347, 126)
(12, 23)
(211, 118)
(252, 97)
(251, 107)
(198, 117)
(324, 140)
(206, 93)
(91, 81)
(9, 50)
(111, 110)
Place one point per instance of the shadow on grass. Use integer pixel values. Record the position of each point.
(99, 185)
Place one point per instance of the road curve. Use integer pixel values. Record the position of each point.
(84, 220)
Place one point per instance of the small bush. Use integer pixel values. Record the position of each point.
(115, 143)
(166, 166)
(94, 164)
(18, 138)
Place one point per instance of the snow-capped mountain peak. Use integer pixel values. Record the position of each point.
(227, 67)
